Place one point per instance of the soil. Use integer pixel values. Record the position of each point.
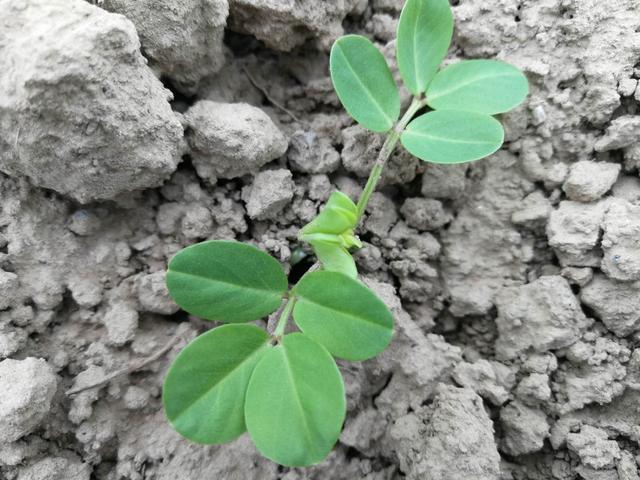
(129, 130)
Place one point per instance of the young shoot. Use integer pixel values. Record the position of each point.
(285, 389)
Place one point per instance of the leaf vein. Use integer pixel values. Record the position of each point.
(430, 98)
(224, 282)
(220, 381)
(307, 430)
(364, 87)
(448, 140)
(415, 51)
(343, 313)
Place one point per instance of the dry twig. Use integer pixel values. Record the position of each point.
(134, 367)
(271, 100)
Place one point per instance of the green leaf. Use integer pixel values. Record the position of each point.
(295, 403)
(204, 390)
(343, 315)
(227, 281)
(482, 86)
(339, 214)
(450, 136)
(424, 34)
(363, 82)
(335, 258)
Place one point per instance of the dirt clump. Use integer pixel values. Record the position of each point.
(130, 130)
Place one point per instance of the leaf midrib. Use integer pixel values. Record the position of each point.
(430, 98)
(224, 378)
(238, 285)
(343, 313)
(305, 424)
(448, 140)
(415, 48)
(364, 87)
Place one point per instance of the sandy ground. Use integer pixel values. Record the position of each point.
(130, 129)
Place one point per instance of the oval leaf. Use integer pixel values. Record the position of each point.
(483, 86)
(424, 34)
(295, 403)
(363, 82)
(450, 136)
(205, 387)
(343, 315)
(226, 281)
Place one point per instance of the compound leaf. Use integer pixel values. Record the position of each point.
(363, 82)
(295, 403)
(343, 315)
(450, 136)
(227, 281)
(204, 390)
(424, 34)
(482, 86)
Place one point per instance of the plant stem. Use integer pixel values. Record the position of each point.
(284, 317)
(385, 152)
(374, 177)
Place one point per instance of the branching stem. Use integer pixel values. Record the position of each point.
(385, 153)
(374, 177)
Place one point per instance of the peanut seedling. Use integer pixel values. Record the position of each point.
(285, 389)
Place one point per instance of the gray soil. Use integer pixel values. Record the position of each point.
(130, 129)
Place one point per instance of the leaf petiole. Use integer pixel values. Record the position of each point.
(284, 318)
(385, 152)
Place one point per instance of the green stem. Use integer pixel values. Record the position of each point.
(385, 152)
(284, 317)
